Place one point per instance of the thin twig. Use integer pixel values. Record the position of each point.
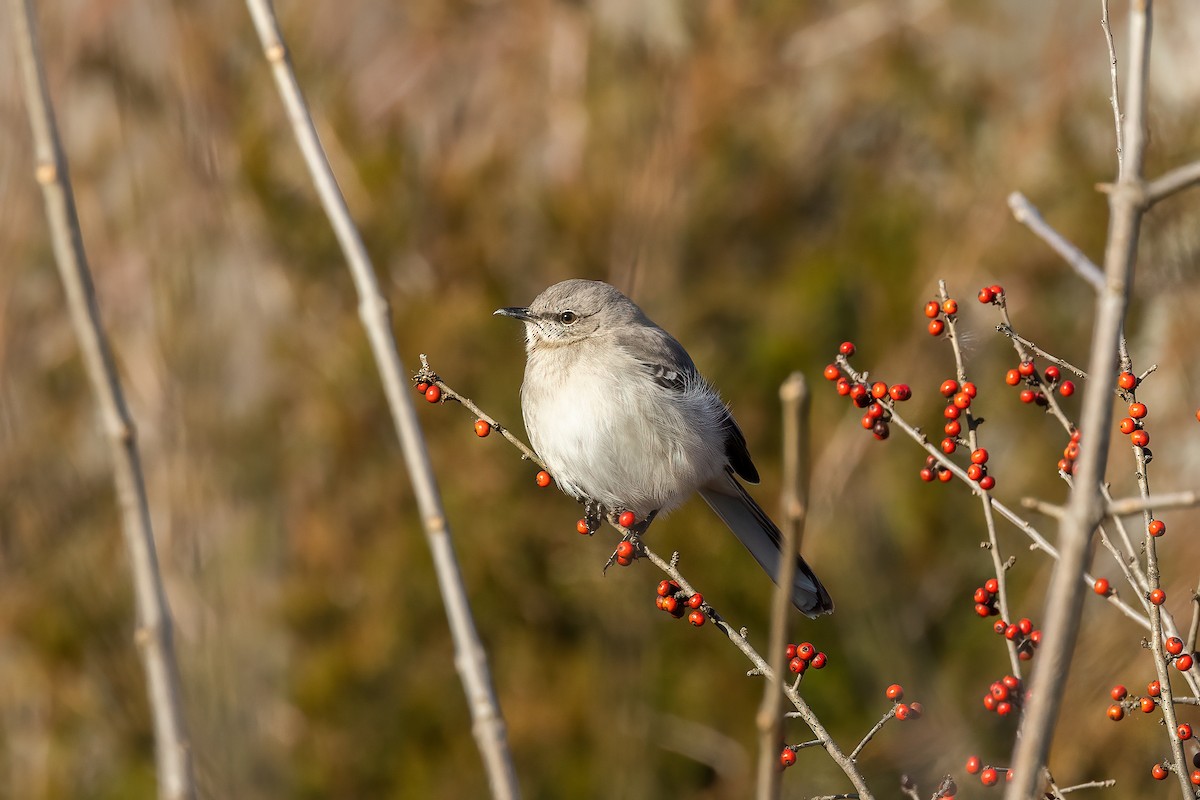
(1174, 181)
(1114, 96)
(470, 659)
(1195, 626)
(1108, 784)
(1086, 505)
(794, 398)
(1007, 329)
(1137, 505)
(876, 728)
(1027, 214)
(154, 635)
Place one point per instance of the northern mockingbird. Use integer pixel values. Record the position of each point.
(615, 407)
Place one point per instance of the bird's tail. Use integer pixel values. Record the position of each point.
(758, 533)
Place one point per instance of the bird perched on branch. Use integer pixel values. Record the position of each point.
(623, 420)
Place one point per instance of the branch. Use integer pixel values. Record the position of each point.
(1025, 213)
(1114, 97)
(1086, 505)
(794, 396)
(154, 634)
(1174, 181)
(470, 659)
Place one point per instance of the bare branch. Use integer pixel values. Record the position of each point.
(1025, 213)
(1136, 505)
(794, 396)
(1174, 181)
(154, 635)
(470, 658)
(1114, 97)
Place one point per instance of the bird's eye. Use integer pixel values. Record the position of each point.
(567, 317)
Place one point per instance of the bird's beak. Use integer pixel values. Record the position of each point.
(516, 313)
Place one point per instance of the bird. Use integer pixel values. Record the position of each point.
(622, 419)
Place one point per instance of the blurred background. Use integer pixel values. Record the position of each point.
(766, 179)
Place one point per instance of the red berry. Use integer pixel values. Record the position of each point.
(962, 400)
(1139, 438)
(433, 394)
(1195, 777)
(625, 549)
(936, 326)
(902, 711)
(973, 765)
(1067, 389)
(895, 692)
(1025, 626)
(832, 373)
(986, 295)
(926, 474)
(1127, 426)
(875, 411)
(992, 585)
(950, 306)
(626, 519)
(951, 411)
(932, 309)
(1000, 626)
(983, 610)
(582, 527)
(482, 428)
(996, 289)
(695, 601)
(1157, 527)
(1004, 708)
(697, 618)
(1127, 380)
(421, 387)
(787, 758)
(624, 561)
(1012, 377)
(1158, 597)
(948, 445)
(945, 476)
(1027, 395)
(988, 777)
(949, 387)
(846, 349)
(975, 472)
(1154, 688)
(843, 386)
(1184, 662)
(1159, 772)
(1138, 410)
(790, 652)
(1116, 713)
(987, 483)
(1146, 704)
(1051, 374)
(1184, 731)
(1174, 645)
(979, 456)
(879, 390)
(989, 702)
(900, 392)
(1012, 632)
(953, 428)
(542, 479)
(1025, 368)
(819, 661)
(797, 665)
(982, 595)
(666, 588)
(806, 651)
(1100, 587)
(1118, 692)
(669, 604)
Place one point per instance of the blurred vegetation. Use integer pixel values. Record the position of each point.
(766, 179)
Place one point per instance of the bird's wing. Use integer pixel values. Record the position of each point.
(670, 366)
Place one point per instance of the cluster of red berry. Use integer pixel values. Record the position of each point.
(1161, 770)
(676, 602)
(1021, 633)
(1175, 655)
(904, 711)
(1026, 373)
(937, 311)
(988, 775)
(804, 655)
(1004, 696)
(1132, 425)
(432, 392)
(1066, 464)
(876, 398)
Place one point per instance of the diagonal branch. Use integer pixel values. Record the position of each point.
(470, 658)
(1027, 214)
(154, 635)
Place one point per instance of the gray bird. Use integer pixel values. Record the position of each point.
(617, 410)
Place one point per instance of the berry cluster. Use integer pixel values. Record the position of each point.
(1026, 374)
(993, 295)
(877, 398)
(988, 775)
(676, 602)
(1161, 770)
(1175, 655)
(1132, 425)
(1066, 464)
(804, 655)
(1004, 696)
(903, 711)
(938, 313)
